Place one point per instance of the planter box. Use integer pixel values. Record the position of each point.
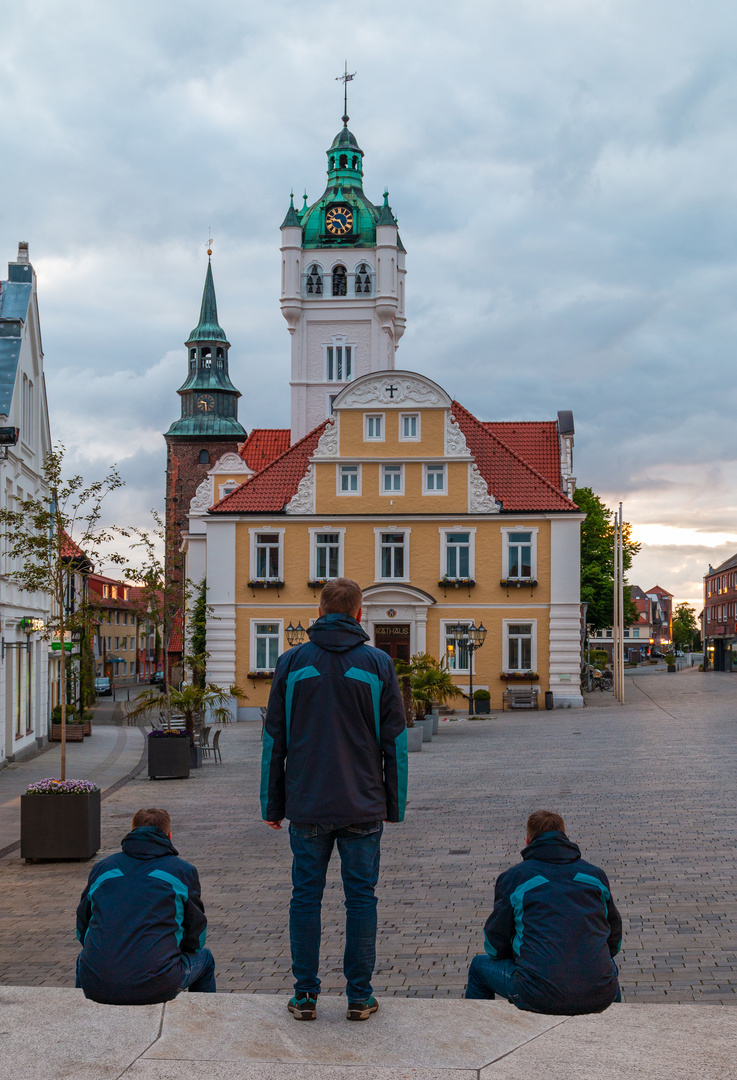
(59, 826)
(168, 758)
(414, 739)
(87, 727)
(75, 733)
(195, 757)
(426, 726)
(481, 705)
(435, 721)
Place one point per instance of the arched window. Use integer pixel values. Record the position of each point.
(354, 163)
(363, 279)
(314, 280)
(220, 353)
(343, 161)
(193, 358)
(204, 457)
(340, 281)
(205, 358)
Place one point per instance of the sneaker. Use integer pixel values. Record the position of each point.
(303, 1006)
(361, 1010)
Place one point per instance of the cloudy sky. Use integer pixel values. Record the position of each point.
(563, 172)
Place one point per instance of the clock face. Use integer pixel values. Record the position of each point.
(205, 403)
(339, 220)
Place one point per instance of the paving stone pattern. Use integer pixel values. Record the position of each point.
(647, 790)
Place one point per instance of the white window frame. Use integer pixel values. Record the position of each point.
(410, 438)
(313, 548)
(374, 416)
(506, 623)
(393, 491)
(506, 530)
(338, 341)
(444, 531)
(405, 531)
(339, 474)
(444, 624)
(425, 473)
(228, 488)
(280, 645)
(253, 533)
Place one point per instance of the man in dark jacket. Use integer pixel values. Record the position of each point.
(335, 763)
(142, 923)
(553, 932)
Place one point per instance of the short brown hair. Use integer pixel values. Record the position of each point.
(156, 819)
(544, 821)
(342, 595)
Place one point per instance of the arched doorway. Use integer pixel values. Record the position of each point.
(395, 618)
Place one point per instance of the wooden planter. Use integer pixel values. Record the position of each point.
(59, 826)
(513, 676)
(481, 705)
(87, 727)
(75, 733)
(168, 758)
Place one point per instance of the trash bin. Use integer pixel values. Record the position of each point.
(548, 699)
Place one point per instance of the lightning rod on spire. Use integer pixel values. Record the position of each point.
(345, 78)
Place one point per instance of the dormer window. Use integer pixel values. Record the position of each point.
(340, 281)
(363, 279)
(314, 280)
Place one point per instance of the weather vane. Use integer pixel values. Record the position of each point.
(209, 242)
(345, 78)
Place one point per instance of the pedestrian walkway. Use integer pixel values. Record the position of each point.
(109, 754)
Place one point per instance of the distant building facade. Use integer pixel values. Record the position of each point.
(24, 420)
(719, 620)
(652, 632)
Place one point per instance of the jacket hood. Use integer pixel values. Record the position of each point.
(337, 633)
(148, 842)
(554, 847)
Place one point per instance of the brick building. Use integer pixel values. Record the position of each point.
(652, 631)
(719, 619)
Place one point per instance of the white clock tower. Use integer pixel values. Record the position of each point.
(342, 287)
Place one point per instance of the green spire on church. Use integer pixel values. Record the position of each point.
(208, 328)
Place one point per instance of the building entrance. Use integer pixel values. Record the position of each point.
(393, 639)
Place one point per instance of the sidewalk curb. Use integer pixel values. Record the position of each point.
(10, 848)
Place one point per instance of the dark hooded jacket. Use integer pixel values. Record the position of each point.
(335, 737)
(140, 911)
(555, 917)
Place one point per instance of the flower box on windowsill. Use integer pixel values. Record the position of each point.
(265, 583)
(519, 676)
(261, 673)
(517, 583)
(317, 583)
(456, 582)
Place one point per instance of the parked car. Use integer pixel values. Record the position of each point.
(103, 687)
(157, 677)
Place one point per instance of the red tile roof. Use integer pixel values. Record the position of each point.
(536, 442)
(70, 550)
(176, 638)
(272, 488)
(510, 479)
(263, 445)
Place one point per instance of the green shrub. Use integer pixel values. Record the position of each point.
(481, 695)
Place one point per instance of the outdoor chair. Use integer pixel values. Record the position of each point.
(215, 748)
(205, 738)
(517, 698)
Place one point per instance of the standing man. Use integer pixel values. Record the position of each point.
(335, 764)
(554, 931)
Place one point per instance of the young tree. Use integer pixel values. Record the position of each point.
(685, 627)
(197, 659)
(52, 539)
(597, 560)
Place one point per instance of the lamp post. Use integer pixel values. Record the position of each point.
(295, 634)
(473, 638)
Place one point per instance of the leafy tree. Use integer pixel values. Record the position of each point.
(685, 627)
(52, 538)
(597, 560)
(197, 659)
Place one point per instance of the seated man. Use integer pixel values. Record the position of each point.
(142, 923)
(553, 932)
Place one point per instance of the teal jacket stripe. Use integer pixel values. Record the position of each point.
(589, 879)
(489, 948)
(400, 750)
(203, 938)
(375, 683)
(517, 901)
(266, 752)
(93, 888)
(292, 678)
(181, 895)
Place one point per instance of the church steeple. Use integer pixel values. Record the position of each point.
(209, 399)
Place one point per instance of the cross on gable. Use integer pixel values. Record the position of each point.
(391, 390)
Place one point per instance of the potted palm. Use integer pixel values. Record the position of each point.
(430, 683)
(60, 819)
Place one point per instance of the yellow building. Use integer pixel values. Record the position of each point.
(441, 518)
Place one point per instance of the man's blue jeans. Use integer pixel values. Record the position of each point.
(488, 977)
(199, 972)
(359, 850)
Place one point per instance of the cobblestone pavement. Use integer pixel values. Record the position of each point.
(647, 790)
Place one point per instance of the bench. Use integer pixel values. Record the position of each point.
(518, 698)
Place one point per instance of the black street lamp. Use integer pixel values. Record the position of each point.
(473, 638)
(295, 634)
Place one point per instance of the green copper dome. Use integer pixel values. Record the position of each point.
(345, 187)
(208, 328)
